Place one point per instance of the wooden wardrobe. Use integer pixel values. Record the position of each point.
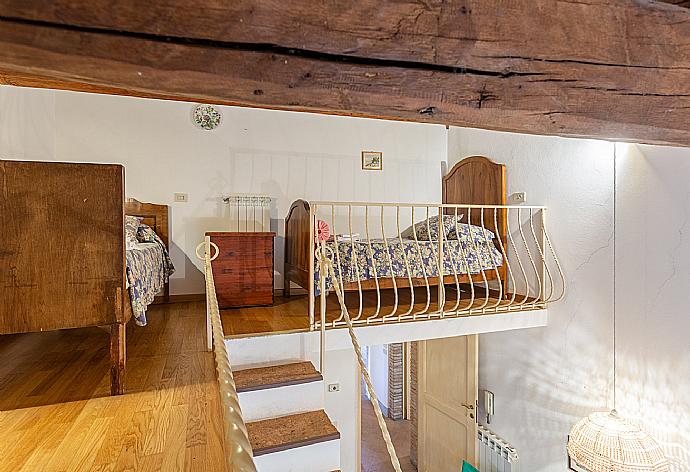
(62, 251)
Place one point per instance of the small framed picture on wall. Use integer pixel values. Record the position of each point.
(372, 160)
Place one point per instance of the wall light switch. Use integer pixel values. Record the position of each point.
(518, 197)
(181, 197)
(334, 387)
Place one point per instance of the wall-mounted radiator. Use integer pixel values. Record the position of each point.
(496, 455)
(249, 213)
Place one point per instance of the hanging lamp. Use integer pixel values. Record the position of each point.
(606, 442)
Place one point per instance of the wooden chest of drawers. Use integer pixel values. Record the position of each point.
(243, 270)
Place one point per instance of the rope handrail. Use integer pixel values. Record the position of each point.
(326, 264)
(238, 451)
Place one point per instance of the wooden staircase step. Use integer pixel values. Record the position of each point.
(260, 378)
(288, 432)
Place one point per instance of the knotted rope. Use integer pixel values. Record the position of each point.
(326, 264)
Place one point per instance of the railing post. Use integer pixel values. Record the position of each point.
(441, 287)
(322, 308)
(312, 250)
(542, 244)
(209, 328)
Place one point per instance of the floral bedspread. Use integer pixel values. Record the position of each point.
(388, 258)
(148, 269)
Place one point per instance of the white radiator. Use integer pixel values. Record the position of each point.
(496, 455)
(249, 213)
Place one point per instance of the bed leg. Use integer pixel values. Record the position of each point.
(118, 358)
(286, 286)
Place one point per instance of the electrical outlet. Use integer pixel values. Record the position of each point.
(518, 197)
(181, 197)
(334, 387)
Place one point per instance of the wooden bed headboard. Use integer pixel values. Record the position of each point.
(477, 180)
(156, 216)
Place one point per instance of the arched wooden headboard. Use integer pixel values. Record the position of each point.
(477, 180)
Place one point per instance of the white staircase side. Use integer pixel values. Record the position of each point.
(282, 401)
(320, 457)
(266, 350)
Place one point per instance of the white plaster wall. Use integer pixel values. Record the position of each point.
(343, 406)
(546, 378)
(286, 155)
(378, 370)
(653, 283)
(27, 123)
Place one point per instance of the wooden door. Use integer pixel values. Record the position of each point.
(447, 403)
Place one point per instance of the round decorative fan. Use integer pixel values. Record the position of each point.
(323, 231)
(206, 117)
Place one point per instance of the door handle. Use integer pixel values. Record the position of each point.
(469, 407)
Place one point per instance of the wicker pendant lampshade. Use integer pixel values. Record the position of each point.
(605, 442)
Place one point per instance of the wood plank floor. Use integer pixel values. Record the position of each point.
(56, 413)
(292, 314)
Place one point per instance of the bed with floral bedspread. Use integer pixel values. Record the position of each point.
(404, 257)
(148, 269)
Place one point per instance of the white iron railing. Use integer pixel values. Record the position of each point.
(491, 259)
(238, 450)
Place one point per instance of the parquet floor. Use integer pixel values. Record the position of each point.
(56, 413)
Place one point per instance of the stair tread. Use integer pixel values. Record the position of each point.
(288, 432)
(260, 378)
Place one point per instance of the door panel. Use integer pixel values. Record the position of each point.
(447, 403)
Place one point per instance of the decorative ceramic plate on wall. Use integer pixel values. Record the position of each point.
(206, 117)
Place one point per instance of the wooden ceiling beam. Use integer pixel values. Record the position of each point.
(680, 3)
(603, 69)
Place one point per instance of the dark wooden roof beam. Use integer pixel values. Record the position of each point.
(603, 69)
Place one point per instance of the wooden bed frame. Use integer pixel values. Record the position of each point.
(474, 180)
(62, 250)
(156, 216)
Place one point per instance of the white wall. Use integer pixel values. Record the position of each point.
(286, 155)
(653, 284)
(378, 370)
(545, 379)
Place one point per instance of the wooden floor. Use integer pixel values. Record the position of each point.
(56, 413)
(292, 314)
